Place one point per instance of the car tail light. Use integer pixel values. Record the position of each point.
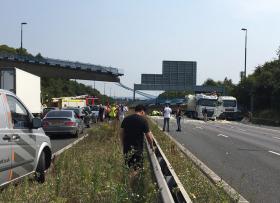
(70, 123)
(45, 124)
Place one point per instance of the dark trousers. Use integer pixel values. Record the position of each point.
(133, 158)
(166, 121)
(178, 119)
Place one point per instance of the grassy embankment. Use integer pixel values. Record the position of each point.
(91, 171)
(197, 185)
(267, 117)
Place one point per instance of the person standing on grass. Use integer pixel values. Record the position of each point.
(133, 129)
(178, 114)
(107, 111)
(101, 113)
(113, 112)
(166, 117)
(121, 113)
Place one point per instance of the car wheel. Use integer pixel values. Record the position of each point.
(76, 134)
(41, 167)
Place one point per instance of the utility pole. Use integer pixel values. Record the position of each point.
(245, 62)
(21, 25)
(104, 94)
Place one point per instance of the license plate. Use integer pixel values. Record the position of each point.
(230, 110)
(56, 123)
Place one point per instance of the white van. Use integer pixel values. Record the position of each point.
(24, 147)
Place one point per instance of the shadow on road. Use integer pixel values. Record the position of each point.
(61, 137)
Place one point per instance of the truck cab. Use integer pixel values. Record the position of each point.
(227, 107)
(196, 104)
(208, 102)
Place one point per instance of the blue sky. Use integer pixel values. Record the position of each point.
(137, 35)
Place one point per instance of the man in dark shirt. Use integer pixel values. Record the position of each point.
(134, 127)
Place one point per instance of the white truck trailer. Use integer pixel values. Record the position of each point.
(227, 107)
(25, 85)
(197, 103)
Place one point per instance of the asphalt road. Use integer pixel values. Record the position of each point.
(245, 156)
(60, 141)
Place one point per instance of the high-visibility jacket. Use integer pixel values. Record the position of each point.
(113, 113)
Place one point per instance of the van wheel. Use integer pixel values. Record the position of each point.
(40, 170)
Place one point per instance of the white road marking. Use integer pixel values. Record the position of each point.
(219, 135)
(199, 127)
(274, 153)
(68, 146)
(242, 130)
(256, 127)
(277, 138)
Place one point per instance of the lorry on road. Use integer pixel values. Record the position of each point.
(25, 85)
(199, 102)
(227, 107)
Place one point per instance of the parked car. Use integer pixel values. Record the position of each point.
(24, 147)
(47, 109)
(88, 111)
(62, 122)
(95, 112)
(81, 114)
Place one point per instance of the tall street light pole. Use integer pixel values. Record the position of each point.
(21, 35)
(244, 29)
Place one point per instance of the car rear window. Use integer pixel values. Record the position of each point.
(95, 108)
(46, 110)
(77, 111)
(59, 114)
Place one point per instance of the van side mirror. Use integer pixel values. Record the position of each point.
(36, 123)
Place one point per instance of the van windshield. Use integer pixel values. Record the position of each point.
(229, 103)
(207, 102)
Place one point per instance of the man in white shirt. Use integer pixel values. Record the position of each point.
(166, 114)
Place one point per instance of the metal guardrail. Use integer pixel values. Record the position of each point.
(60, 63)
(171, 189)
(213, 177)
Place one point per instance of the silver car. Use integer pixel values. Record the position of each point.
(24, 147)
(62, 122)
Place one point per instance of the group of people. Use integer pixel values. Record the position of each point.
(167, 115)
(134, 128)
(112, 112)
